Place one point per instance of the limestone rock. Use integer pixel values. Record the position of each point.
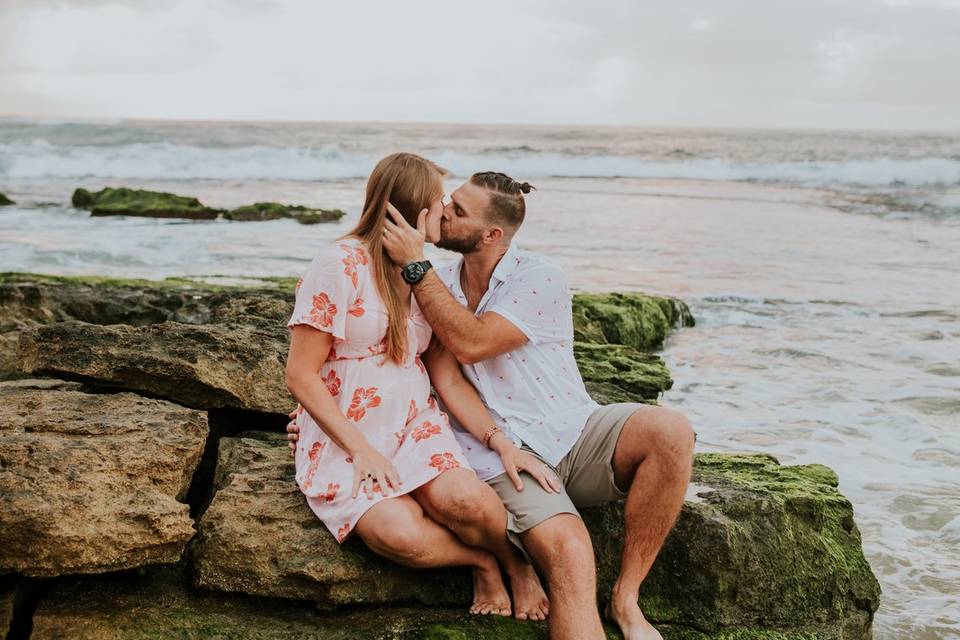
(91, 483)
(274, 211)
(634, 319)
(140, 202)
(208, 366)
(258, 536)
(759, 548)
(618, 373)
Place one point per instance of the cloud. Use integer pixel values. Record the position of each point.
(822, 63)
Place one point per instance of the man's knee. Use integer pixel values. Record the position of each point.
(564, 550)
(662, 430)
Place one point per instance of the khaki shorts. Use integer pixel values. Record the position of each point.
(586, 473)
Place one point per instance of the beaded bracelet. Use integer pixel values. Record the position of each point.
(489, 433)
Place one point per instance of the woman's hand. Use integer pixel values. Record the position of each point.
(403, 243)
(293, 431)
(516, 460)
(372, 470)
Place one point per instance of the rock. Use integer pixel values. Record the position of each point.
(139, 202)
(758, 547)
(8, 597)
(253, 536)
(158, 602)
(201, 366)
(91, 483)
(274, 211)
(617, 373)
(634, 319)
(5, 201)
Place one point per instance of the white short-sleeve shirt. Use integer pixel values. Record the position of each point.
(535, 392)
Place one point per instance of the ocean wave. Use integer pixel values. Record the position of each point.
(171, 161)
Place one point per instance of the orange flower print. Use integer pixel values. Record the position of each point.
(425, 430)
(363, 399)
(401, 435)
(356, 309)
(296, 289)
(314, 455)
(380, 347)
(343, 531)
(413, 411)
(333, 353)
(420, 365)
(332, 488)
(323, 310)
(333, 383)
(443, 461)
(354, 258)
(369, 492)
(432, 402)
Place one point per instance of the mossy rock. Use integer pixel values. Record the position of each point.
(634, 319)
(274, 211)
(4, 200)
(140, 202)
(618, 373)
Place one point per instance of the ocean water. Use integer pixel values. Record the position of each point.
(823, 269)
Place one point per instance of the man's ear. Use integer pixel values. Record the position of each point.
(493, 235)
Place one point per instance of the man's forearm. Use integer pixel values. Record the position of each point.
(453, 324)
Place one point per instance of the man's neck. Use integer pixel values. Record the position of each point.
(478, 268)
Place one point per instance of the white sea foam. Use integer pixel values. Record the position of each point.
(170, 161)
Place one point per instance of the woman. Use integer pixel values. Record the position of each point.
(376, 457)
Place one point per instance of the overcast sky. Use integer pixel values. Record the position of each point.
(890, 64)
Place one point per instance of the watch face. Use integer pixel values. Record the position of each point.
(413, 272)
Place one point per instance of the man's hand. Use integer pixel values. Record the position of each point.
(293, 431)
(516, 460)
(403, 243)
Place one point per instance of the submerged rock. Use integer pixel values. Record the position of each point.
(758, 548)
(274, 211)
(92, 483)
(140, 202)
(5, 201)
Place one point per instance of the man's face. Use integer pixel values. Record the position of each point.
(464, 221)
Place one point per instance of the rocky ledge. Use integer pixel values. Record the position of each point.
(4, 200)
(147, 490)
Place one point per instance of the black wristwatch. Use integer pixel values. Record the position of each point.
(414, 272)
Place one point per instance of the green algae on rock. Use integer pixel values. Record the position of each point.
(275, 211)
(140, 202)
(634, 319)
(618, 373)
(5, 201)
(758, 546)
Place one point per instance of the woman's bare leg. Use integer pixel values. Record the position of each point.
(397, 528)
(469, 507)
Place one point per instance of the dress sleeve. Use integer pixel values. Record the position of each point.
(538, 302)
(325, 294)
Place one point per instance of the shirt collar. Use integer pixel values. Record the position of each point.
(507, 265)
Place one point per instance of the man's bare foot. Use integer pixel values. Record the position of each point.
(529, 599)
(627, 615)
(490, 595)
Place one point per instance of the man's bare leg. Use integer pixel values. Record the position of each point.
(561, 547)
(654, 457)
(470, 508)
(398, 529)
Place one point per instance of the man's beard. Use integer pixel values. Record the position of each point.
(460, 245)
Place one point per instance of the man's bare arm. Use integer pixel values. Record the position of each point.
(468, 337)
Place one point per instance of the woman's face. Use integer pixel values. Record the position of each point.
(434, 216)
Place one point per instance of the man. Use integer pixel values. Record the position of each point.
(504, 315)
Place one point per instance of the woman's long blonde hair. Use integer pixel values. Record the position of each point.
(410, 183)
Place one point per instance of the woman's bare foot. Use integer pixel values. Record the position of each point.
(529, 599)
(626, 613)
(490, 595)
